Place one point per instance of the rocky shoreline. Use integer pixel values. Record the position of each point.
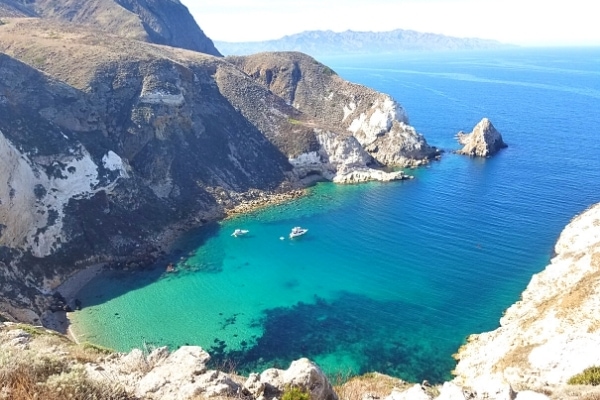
(545, 338)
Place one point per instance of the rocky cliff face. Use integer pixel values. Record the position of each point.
(552, 333)
(378, 122)
(165, 22)
(483, 141)
(110, 146)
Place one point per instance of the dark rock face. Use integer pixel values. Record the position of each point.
(169, 22)
(165, 22)
(100, 176)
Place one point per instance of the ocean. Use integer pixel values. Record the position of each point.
(391, 277)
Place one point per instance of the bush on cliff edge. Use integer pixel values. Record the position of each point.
(589, 376)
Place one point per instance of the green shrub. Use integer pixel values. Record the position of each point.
(96, 348)
(295, 393)
(589, 376)
(32, 330)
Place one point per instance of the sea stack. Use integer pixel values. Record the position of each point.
(483, 141)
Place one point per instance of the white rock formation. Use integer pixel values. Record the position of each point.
(35, 190)
(553, 332)
(384, 133)
(415, 392)
(341, 159)
(483, 141)
(302, 373)
(162, 376)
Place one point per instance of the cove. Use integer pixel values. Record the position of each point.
(390, 277)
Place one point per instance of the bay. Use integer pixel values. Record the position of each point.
(390, 277)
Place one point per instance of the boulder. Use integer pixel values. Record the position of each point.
(183, 375)
(302, 374)
(483, 141)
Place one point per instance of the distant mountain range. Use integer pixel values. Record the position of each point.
(318, 43)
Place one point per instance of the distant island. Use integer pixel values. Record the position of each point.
(328, 42)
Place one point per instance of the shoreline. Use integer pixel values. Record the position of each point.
(61, 321)
(264, 200)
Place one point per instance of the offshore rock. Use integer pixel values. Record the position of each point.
(483, 141)
(551, 334)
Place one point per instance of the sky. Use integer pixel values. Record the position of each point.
(521, 22)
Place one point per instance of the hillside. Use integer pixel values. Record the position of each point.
(156, 21)
(114, 146)
(319, 43)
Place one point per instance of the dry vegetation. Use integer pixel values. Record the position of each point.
(75, 54)
(372, 385)
(48, 367)
(36, 363)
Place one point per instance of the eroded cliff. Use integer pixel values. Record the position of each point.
(552, 333)
(112, 146)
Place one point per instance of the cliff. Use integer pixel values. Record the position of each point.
(552, 333)
(375, 120)
(327, 43)
(165, 22)
(112, 146)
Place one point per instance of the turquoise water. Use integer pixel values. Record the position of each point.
(390, 277)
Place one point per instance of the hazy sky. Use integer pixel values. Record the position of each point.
(525, 22)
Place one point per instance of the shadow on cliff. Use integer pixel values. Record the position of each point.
(141, 277)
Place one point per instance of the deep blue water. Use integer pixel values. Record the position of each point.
(391, 277)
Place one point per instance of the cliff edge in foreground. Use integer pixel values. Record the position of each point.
(553, 332)
(548, 336)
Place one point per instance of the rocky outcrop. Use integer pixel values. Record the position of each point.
(185, 374)
(165, 22)
(157, 374)
(483, 141)
(551, 334)
(302, 374)
(376, 120)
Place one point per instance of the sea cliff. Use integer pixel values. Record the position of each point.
(114, 145)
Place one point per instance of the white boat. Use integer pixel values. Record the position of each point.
(297, 231)
(239, 232)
